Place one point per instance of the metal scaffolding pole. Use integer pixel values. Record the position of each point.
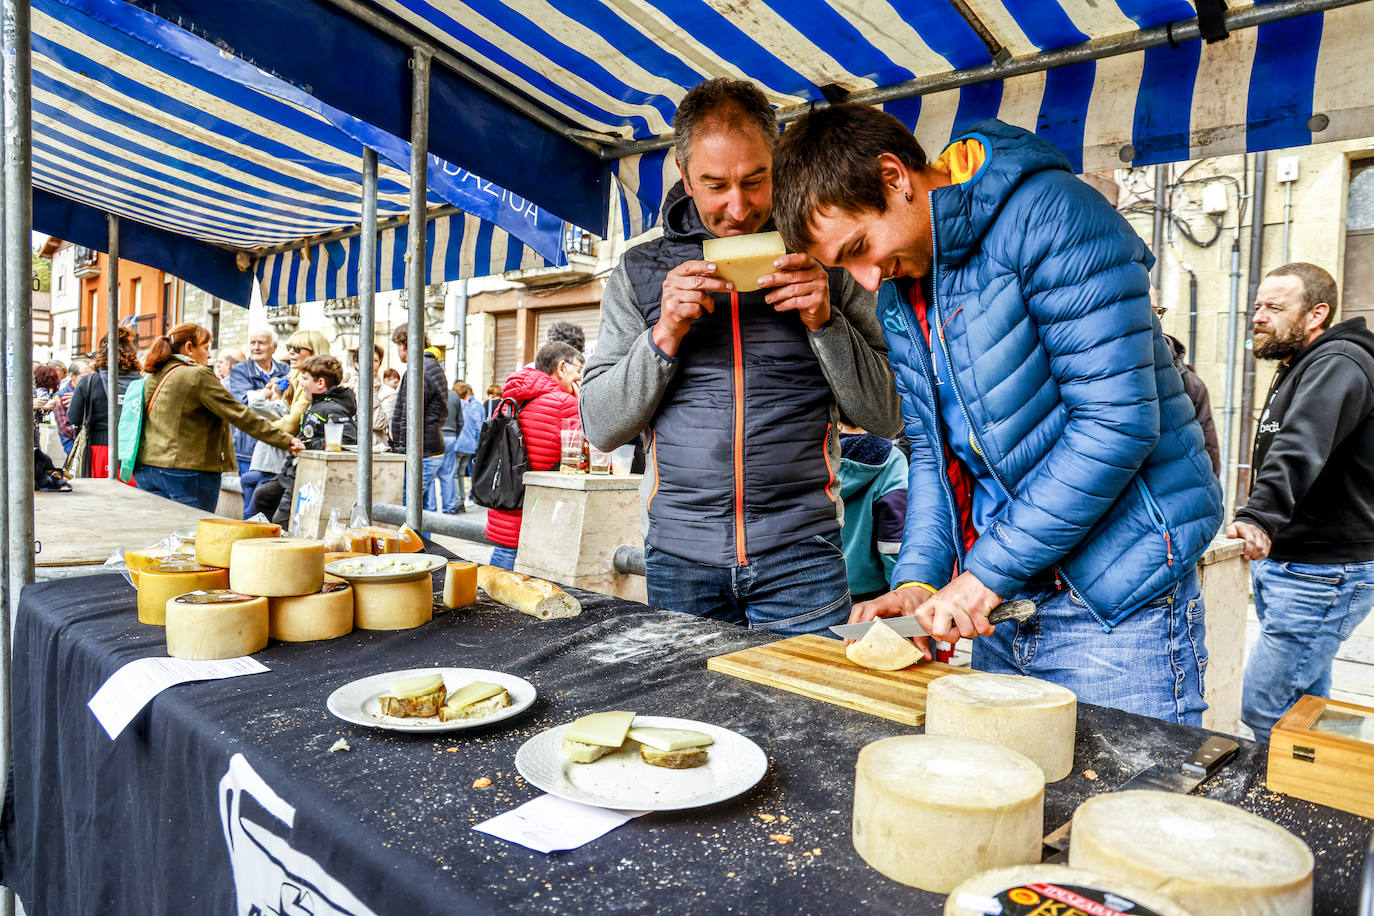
(18, 348)
(112, 349)
(367, 329)
(415, 287)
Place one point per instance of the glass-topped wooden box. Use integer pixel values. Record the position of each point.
(1322, 750)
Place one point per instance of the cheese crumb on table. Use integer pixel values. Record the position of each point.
(481, 783)
(340, 745)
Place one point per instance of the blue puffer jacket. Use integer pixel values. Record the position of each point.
(1041, 289)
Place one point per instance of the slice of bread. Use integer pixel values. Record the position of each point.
(413, 707)
(475, 710)
(578, 752)
(684, 759)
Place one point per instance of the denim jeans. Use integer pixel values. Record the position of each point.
(1152, 663)
(199, 489)
(429, 469)
(800, 588)
(1306, 610)
(504, 557)
(449, 479)
(250, 481)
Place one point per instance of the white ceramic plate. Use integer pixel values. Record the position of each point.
(430, 562)
(623, 780)
(357, 701)
(188, 533)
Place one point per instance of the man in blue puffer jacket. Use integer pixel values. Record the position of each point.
(1055, 455)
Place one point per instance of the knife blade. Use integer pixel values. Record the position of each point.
(1160, 777)
(1020, 609)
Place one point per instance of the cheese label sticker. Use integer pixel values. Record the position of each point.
(329, 587)
(1066, 900)
(212, 596)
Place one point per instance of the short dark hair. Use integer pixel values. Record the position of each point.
(553, 353)
(568, 333)
(402, 334)
(389, 374)
(829, 158)
(377, 352)
(1317, 286)
(738, 104)
(325, 367)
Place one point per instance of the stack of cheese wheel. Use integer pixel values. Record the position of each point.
(393, 605)
(931, 811)
(1053, 889)
(1025, 714)
(140, 558)
(1206, 856)
(164, 579)
(216, 623)
(216, 536)
(289, 573)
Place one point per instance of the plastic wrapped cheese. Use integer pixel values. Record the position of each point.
(163, 580)
(139, 558)
(932, 811)
(1207, 856)
(1053, 889)
(216, 624)
(1025, 714)
(326, 614)
(277, 567)
(215, 537)
(393, 605)
(460, 584)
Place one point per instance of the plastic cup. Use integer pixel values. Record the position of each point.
(333, 437)
(599, 462)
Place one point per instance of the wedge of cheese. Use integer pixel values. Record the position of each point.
(216, 623)
(276, 567)
(743, 259)
(882, 649)
(460, 584)
(215, 537)
(669, 739)
(162, 581)
(604, 729)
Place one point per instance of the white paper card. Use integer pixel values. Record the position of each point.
(549, 823)
(130, 688)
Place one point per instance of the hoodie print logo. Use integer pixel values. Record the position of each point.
(1266, 425)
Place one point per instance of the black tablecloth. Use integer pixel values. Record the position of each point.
(137, 825)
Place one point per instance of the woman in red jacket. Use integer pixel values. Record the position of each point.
(547, 394)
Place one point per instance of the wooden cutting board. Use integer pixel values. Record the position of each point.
(815, 666)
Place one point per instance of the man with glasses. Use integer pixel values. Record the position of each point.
(246, 379)
(1309, 524)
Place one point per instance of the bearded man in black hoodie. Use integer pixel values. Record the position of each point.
(1309, 524)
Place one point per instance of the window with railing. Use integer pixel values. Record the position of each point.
(81, 340)
(146, 329)
(86, 261)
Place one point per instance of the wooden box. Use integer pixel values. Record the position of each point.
(1323, 751)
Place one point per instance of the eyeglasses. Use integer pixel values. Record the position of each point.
(292, 348)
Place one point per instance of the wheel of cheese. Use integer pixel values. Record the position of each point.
(215, 537)
(327, 614)
(1206, 856)
(277, 567)
(1025, 714)
(140, 558)
(393, 605)
(165, 579)
(1024, 889)
(931, 811)
(216, 624)
(460, 584)
(331, 555)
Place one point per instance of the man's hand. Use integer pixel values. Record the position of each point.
(296, 446)
(686, 297)
(902, 602)
(799, 284)
(1257, 543)
(961, 608)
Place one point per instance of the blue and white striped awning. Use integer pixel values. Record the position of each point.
(135, 117)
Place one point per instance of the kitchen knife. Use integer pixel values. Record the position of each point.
(1159, 777)
(909, 626)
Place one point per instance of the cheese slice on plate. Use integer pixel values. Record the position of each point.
(604, 729)
(670, 739)
(743, 259)
(882, 649)
(407, 688)
(475, 692)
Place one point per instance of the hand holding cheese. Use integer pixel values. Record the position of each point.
(799, 284)
(743, 260)
(526, 594)
(685, 298)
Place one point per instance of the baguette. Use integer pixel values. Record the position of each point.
(526, 594)
(683, 759)
(580, 752)
(476, 710)
(412, 707)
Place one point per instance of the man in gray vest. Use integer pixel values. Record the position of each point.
(739, 392)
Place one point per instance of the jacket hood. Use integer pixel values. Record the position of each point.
(1352, 329)
(528, 383)
(862, 458)
(342, 396)
(682, 223)
(1175, 346)
(966, 210)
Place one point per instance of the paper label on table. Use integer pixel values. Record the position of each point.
(549, 823)
(131, 688)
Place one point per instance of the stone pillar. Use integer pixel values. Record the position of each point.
(329, 480)
(1225, 577)
(573, 524)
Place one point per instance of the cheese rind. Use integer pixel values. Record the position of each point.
(670, 739)
(932, 811)
(162, 581)
(216, 536)
(604, 729)
(1044, 884)
(393, 605)
(1207, 856)
(276, 567)
(216, 624)
(460, 584)
(326, 614)
(743, 259)
(1025, 714)
(882, 649)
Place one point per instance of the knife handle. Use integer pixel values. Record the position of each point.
(1213, 753)
(1021, 609)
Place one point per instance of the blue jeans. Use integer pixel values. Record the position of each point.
(800, 588)
(503, 557)
(1152, 663)
(449, 478)
(199, 489)
(250, 481)
(429, 467)
(1306, 610)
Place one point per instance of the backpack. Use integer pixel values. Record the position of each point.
(500, 463)
(131, 415)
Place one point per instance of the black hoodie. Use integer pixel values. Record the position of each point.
(1313, 492)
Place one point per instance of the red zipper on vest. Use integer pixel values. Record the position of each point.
(741, 556)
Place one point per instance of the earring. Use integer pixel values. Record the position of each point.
(908, 197)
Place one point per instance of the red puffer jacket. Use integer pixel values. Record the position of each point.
(540, 422)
